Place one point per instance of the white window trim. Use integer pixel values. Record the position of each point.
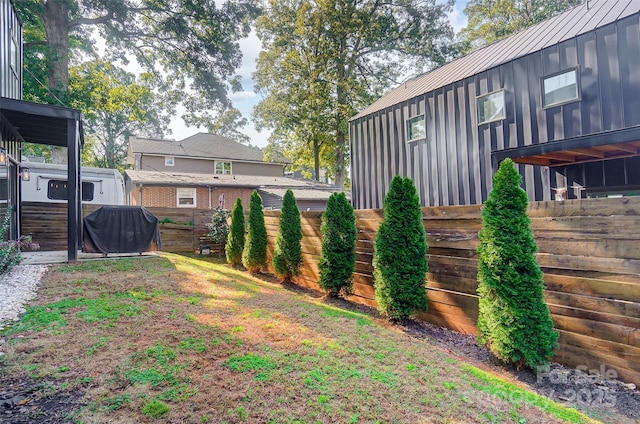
(563, 102)
(194, 193)
(169, 161)
(215, 166)
(504, 108)
(407, 128)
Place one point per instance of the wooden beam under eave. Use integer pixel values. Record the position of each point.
(626, 147)
(533, 160)
(588, 152)
(560, 156)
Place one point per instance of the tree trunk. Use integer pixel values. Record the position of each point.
(316, 157)
(56, 27)
(341, 105)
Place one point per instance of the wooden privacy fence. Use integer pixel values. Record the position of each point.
(47, 223)
(589, 251)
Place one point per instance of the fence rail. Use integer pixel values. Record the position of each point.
(589, 251)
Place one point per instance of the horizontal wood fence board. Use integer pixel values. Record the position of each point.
(586, 263)
(451, 212)
(588, 249)
(561, 310)
(452, 283)
(593, 287)
(625, 206)
(602, 248)
(596, 329)
(609, 306)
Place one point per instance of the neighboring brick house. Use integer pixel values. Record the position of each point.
(206, 191)
(201, 153)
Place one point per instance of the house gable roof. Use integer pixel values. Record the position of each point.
(564, 26)
(201, 145)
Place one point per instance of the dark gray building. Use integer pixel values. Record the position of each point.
(562, 99)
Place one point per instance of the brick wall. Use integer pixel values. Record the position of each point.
(165, 197)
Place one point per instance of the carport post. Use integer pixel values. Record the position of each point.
(72, 192)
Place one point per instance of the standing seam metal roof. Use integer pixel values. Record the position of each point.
(564, 26)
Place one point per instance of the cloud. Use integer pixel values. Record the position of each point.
(242, 96)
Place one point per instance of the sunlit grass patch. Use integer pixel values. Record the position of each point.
(519, 397)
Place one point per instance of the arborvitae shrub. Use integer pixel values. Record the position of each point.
(513, 322)
(235, 242)
(287, 253)
(338, 254)
(399, 260)
(254, 256)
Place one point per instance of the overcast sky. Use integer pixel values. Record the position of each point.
(245, 100)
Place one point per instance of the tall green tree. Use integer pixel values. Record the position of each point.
(235, 242)
(513, 320)
(399, 258)
(254, 256)
(181, 42)
(492, 20)
(323, 60)
(115, 105)
(287, 253)
(229, 124)
(338, 254)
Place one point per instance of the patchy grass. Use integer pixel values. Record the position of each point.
(184, 339)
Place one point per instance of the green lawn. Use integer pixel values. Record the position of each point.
(184, 339)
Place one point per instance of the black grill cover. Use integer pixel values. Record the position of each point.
(120, 229)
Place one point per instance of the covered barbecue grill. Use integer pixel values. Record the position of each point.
(121, 229)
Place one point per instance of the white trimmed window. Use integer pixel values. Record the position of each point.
(560, 88)
(416, 128)
(490, 107)
(169, 161)
(223, 168)
(186, 197)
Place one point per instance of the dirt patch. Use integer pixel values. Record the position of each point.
(23, 400)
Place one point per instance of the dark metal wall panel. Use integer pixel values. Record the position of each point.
(629, 41)
(609, 76)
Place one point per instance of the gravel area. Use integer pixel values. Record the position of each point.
(18, 287)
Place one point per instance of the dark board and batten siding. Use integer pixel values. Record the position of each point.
(453, 165)
(10, 29)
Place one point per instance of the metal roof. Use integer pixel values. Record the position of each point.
(201, 145)
(37, 123)
(564, 26)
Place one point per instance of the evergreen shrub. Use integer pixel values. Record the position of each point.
(514, 322)
(235, 242)
(338, 255)
(287, 253)
(399, 261)
(254, 256)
